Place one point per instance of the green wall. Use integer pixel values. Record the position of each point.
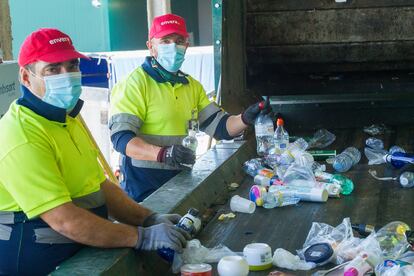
(128, 24)
(188, 9)
(85, 24)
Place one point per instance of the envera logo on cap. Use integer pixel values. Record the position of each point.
(57, 40)
(169, 22)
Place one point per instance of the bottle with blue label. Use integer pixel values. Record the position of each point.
(190, 223)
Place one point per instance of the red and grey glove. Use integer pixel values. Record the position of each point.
(249, 115)
(176, 155)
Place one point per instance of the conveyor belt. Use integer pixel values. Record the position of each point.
(373, 201)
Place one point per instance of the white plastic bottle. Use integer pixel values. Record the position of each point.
(281, 137)
(263, 128)
(191, 141)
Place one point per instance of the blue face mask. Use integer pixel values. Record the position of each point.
(171, 56)
(63, 90)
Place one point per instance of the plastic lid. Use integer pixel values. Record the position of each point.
(279, 122)
(403, 180)
(261, 105)
(318, 253)
(194, 212)
(351, 272)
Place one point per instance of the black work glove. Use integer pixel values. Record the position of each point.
(176, 155)
(156, 218)
(249, 115)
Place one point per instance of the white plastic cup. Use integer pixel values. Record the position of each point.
(242, 205)
(233, 266)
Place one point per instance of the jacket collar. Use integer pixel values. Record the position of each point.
(159, 74)
(46, 110)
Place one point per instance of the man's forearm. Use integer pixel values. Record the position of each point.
(85, 227)
(121, 207)
(235, 125)
(141, 150)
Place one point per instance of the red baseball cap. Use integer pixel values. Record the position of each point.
(168, 24)
(48, 45)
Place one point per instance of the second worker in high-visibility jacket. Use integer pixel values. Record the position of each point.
(151, 109)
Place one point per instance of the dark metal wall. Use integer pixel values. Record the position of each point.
(324, 63)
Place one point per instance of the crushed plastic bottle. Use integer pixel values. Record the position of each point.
(255, 167)
(392, 239)
(281, 137)
(276, 199)
(321, 139)
(407, 179)
(264, 129)
(348, 158)
(294, 150)
(374, 143)
(346, 184)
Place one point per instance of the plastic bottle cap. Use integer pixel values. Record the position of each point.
(351, 272)
(318, 253)
(261, 105)
(279, 122)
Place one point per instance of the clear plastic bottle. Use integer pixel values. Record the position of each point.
(263, 127)
(191, 141)
(190, 223)
(255, 167)
(293, 151)
(348, 158)
(357, 267)
(346, 184)
(407, 179)
(281, 137)
(276, 199)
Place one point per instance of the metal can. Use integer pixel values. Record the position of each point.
(196, 270)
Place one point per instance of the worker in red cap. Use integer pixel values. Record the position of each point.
(54, 196)
(154, 108)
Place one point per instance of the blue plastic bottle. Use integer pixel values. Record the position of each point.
(399, 159)
(190, 223)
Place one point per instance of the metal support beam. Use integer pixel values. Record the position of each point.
(156, 8)
(5, 30)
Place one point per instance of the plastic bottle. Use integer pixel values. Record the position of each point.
(348, 158)
(294, 150)
(407, 179)
(190, 223)
(281, 137)
(346, 184)
(191, 141)
(263, 127)
(357, 267)
(255, 167)
(392, 239)
(399, 159)
(276, 199)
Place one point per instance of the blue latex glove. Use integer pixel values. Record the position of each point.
(156, 218)
(162, 236)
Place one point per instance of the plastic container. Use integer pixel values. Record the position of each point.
(196, 270)
(304, 193)
(276, 199)
(263, 127)
(348, 158)
(191, 223)
(233, 266)
(407, 179)
(258, 256)
(319, 253)
(281, 137)
(242, 205)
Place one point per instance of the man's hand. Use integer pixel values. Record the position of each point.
(249, 115)
(156, 218)
(176, 155)
(162, 236)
